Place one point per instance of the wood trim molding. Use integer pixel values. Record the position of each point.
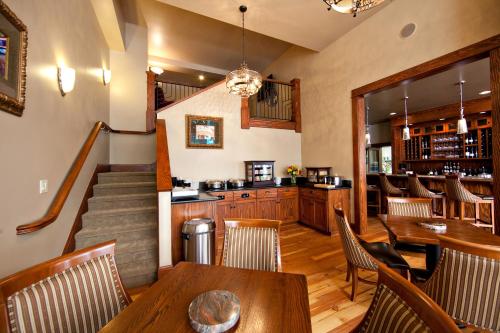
(272, 123)
(163, 270)
(467, 54)
(151, 100)
(84, 207)
(495, 114)
(446, 111)
(163, 175)
(65, 188)
(296, 116)
(245, 113)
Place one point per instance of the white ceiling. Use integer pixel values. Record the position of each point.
(432, 91)
(305, 23)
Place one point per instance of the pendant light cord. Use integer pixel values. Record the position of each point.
(461, 100)
(243, 37)
(406, 111)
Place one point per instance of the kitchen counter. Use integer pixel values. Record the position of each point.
(202, 197)
(439, 177)
(307, 185)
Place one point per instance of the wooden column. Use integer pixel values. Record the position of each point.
(245, 113)
(495, 114)
(296, 117)
(396, 143)
(359, 162)
(151, 97)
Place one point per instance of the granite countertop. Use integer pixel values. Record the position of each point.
(202, 196)
(248, 188)
(439, 177)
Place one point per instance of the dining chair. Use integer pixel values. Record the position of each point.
(360, 254)
(457, 192)
(400, 307)
(466, 283)
(414, 207)
(418, 190)
(79, 291)
(389, 190)
(252, 244)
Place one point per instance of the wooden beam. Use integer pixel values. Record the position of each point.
(163, 175)
(495, 114)
(446, 111)
(151, 100)
(396, 144)
(465, 55)
(272, 123)
(296, 115)
(245, 113)
(359, 161)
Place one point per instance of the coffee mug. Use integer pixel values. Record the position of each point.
(277, 180)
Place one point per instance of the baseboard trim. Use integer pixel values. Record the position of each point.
(77, 224)
(163, 270)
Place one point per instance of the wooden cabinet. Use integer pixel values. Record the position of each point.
(317, 207)
(266, 209)
(287, 208)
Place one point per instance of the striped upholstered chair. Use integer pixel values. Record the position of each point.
(77, 292)
(360, 254)
(389, 190)
(252, 244)
(466, 283)
(457, 192)
(400, 307)
(418, 190)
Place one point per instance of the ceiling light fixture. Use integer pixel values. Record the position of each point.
(106, 76)
(66, 79)
(462, 123)
(442, 119)
(243, 81)
(351, 6)
(392, 113)
(201, 77)
(485, 92)
(156, 70)
(406, 129)
(368, 139)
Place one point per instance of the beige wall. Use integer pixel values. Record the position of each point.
(239, 144)
(128, 100)
(369, 52)
(43, 143)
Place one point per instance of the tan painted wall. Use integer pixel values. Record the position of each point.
(43, 143)
(239, 144)
(371, 51)
(128, 100)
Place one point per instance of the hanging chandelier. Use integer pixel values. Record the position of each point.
(368, 139)
(462, 123)
(243, 81)
(406, 129)
(351, 6)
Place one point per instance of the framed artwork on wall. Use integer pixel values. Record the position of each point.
(204, 132)
(13, 49)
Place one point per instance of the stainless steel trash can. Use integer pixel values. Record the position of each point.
(198, 241)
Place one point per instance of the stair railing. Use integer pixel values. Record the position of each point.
(62, 194)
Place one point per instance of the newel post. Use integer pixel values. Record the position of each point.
(151, 99)
(296, 105)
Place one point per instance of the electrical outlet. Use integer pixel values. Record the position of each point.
(44, 186)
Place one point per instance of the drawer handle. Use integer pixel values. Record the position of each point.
(222, 197)
(245, 195)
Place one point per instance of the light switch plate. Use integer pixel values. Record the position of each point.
(44, 186)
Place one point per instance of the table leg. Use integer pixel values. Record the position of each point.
(432, 255)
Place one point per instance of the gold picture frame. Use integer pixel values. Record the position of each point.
(204, 132)
(13, 53)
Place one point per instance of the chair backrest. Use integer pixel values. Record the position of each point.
(416, 207)
(455, 190)
(398, 306)
(417, 189)
(387, 187)
(354, 252)
(466, 282)
(252, 244)
(80, 291)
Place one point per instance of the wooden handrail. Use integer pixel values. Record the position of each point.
(63, 193)
(163, 175)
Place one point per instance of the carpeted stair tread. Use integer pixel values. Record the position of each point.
(114, 229)
(121, 211)
(128, 247)
(126, 177)
(138, 273)
(124, 188)
(105, 202)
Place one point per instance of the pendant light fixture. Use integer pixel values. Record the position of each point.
(243, 81)
(368, 139)
(462, 123)
(351, 6)
(406, 130)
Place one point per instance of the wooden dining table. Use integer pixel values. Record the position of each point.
(269, 301)
(407, 229)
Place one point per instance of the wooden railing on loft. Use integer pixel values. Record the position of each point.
(276, 105)
(164, 180)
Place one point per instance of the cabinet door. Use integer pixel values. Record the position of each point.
(287, 209)
(307, 210)
(266, 209)
(223, 210)
(245, 209)
(321, 215)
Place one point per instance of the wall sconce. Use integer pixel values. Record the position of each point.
(156, 70)
(106, 76)
(66, 79)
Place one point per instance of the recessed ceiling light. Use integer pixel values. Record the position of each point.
(485, 92)
(156, 70)
(201, 77)
(392, 113)
(410, 124)
(408, 30)
(482, 112)
(442, 118)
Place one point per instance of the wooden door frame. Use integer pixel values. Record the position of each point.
(486, 48)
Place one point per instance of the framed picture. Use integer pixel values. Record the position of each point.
(204, 132)
(13, 48)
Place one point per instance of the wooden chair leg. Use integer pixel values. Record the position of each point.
(452, 209)
(444, 206)
(492, 214)
(477, 212)
(462, 210)
(354, 282)
(348, 276)
(404, 273)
